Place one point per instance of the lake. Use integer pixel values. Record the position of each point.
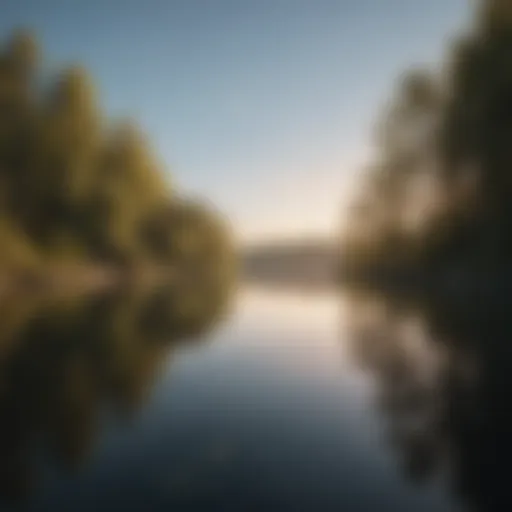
(279, 407)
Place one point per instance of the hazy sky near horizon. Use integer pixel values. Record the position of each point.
(263, 106)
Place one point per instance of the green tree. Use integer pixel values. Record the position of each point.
(75, 186)
(447, 133)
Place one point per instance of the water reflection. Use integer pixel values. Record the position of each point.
(63, 363)
(443, 372)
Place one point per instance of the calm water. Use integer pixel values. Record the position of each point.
(279, 408)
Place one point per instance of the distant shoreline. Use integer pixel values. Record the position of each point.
(300, 265)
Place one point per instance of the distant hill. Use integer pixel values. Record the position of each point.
(298, 263)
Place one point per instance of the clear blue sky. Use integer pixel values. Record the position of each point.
(263, 106)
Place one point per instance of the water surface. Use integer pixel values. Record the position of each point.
(271, 410)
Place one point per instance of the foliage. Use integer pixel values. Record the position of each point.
(76, 187)
(438, 193)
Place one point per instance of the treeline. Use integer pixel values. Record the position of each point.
(437, 195)
(76, 187)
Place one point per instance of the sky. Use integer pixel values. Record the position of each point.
(264, 107)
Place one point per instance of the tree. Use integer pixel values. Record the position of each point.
(449, 132)
(72, 184)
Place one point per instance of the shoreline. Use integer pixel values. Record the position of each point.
(78, 279)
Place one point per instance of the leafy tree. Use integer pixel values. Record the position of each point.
(441, 184)
(74, 186)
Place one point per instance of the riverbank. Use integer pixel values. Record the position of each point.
(77, 279)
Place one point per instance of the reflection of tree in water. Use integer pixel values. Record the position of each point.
(62, 363)
(444, 380)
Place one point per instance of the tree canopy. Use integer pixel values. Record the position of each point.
(438, 192)
(76, 185)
